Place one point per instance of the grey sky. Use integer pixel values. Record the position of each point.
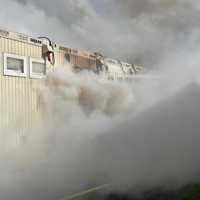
(141, 31)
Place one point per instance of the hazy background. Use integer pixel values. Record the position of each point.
(140, 31)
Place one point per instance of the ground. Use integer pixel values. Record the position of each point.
(189, 192)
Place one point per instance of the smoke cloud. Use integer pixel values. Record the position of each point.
(139, 31)
(133, 135)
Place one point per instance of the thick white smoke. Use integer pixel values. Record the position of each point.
(137, 31)
(140, 134)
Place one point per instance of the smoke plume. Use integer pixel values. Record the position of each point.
(134, 135)
(139, 31)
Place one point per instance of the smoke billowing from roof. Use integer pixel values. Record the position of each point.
(141, 31)
(86, 144)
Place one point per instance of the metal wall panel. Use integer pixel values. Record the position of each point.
(19, 105)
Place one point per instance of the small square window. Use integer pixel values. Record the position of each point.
(15, 65)
(37, 68)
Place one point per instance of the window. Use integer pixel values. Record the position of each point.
(15, 65)
(67, 57)
(37, 68)
(130, 71)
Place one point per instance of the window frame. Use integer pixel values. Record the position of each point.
(1, 63)
(36, 75)
(10, 72)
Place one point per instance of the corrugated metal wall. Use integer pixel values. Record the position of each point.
(19, 98)
(77, 58)
(19, 103)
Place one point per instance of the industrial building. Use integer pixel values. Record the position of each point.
(24, 63)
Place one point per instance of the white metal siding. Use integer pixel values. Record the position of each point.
(19, 103)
